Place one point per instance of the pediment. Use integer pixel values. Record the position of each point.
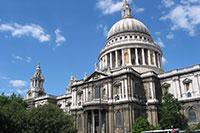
(187, 81)
(95, 76)
(166, 85)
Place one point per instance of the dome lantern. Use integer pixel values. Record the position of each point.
(126, 10)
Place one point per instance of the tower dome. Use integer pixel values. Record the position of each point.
(129, 43)
(128, 25)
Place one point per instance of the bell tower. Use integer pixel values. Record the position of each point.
(36, 85)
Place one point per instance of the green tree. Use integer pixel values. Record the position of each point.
(141, 124)
(16, 118)
(12, 114)
(49, 118)
(170, 113)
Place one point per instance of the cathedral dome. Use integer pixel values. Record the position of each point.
(130, 44)
(128, 25)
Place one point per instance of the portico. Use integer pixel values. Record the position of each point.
(95, 121)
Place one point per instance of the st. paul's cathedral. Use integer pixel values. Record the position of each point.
(127, 83)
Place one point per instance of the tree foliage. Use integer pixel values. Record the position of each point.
(170, 113)
(197, 127)
(49, 118)
(16, 118)
(141, 124)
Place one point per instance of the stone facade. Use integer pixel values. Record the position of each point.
(127, 83)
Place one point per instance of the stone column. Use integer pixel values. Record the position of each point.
(120, 92)
(85, 122)
(100, 62)
(122, 88)
(152, 90)
(175, 92)
(143, 57)
(129, 56)
(106, 61)
(149, 57)
(109, 91)
(100, 122)
(158, 58)
(111, 60)
(161, 63)
(116, 59)
(111, 121)
(126, 88)
(178, 87)
(197, 78)
(154, 58)
(93, 122)
(107, 122)
(136, 57)
(123, 57)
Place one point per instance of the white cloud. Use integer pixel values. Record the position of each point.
(110, 6)
(20, 58)
(170, 36)
(59, 38)
(160, 42)
(190, 1)
(168, 3)
(18, 30)
(28, 59)
(5, 78)
(18, 83)
(139, 10)
(164, 60)
(184, 15)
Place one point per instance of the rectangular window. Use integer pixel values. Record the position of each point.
(97, 92)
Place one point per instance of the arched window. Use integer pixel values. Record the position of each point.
(119, 121)
(192, 115)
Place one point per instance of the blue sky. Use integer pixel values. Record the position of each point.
(65, 37)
